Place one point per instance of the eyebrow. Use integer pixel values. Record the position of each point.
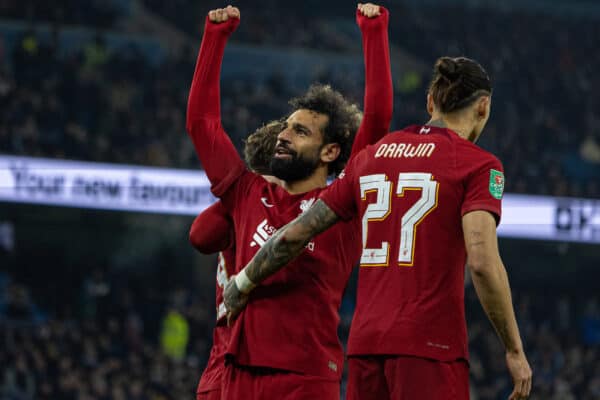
(301, 127)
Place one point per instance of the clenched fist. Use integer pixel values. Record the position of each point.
(223, 14)
(369, 10)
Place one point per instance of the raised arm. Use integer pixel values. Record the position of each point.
(491, 283)
(214, 148)
(212, 230)
(379, 96)
(285, 245)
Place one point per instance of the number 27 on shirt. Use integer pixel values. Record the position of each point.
(382, 208)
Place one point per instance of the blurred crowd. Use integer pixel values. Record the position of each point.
(117, 344)
(93, 104)
(561, 333)
(109, 105)
(96, 13)
(545, 125)
(268, 23)
(126, 344)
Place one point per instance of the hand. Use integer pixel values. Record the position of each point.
(223, 14)
(369, 10)
(223, 20)
(235, 301)
(521, 374)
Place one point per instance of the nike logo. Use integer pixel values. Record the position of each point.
(264, 201)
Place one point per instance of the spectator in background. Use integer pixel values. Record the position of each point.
(95, 54)
(174, 336)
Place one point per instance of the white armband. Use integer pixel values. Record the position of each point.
(243, 283)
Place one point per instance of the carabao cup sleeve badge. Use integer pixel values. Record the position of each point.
(496, 183)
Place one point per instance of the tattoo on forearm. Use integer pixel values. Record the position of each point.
(288, 242)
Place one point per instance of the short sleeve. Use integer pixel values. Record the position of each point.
(484, 188)
(340, 196)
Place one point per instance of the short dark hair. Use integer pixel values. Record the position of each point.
(259, 147)
(344, 119)
(457, 83)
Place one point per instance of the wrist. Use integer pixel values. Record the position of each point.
(243, 283)
(378, 22)
(225, 28)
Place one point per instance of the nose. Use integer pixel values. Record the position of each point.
(284, 135)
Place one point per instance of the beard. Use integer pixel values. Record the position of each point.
(296, 168)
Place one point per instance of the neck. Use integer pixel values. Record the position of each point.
(318, 179)
(454, 123)
(273, 179)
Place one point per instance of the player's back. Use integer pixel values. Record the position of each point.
(412, 189)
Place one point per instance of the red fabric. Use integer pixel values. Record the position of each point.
(211, 378)
(210, 395)
(406, 378)
(414, 309)
(260, 384)
(282, 313)
(203, 121)
(379, 93)
(212, 230)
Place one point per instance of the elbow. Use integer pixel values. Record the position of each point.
(477, 268)
(481, 265)
(205, 243)
(199, 244)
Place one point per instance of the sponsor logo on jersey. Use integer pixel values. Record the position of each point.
(264, 231)
(424, 131)
(496, 184)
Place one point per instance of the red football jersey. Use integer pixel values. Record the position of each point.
(411, 190)
(291, 319)
(211, 377)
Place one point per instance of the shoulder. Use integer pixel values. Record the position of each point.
(254, 180)
(471, 157)
(246, 183)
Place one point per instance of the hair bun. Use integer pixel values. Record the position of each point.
(448, 68)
